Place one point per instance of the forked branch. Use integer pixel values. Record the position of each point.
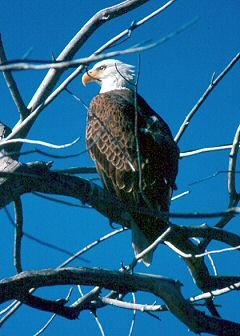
(167, 289)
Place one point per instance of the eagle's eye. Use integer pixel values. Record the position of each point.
(101, 68)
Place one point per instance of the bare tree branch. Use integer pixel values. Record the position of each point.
(217, 292)
(17, 179)
(77, 41)
(108, 44)
(90, 246)
(233, 196)
(211, 86)
(204, 150)
(16, 304)
(36, 176)
(204, 231)
(38, 101)
(45, 326)
(42, 242)
(167, 289)
(185, 193)
(99, 323)
(5, 310)
(52, 317)
(151, 247)
(22, 129)
(18, 235)
(135, 25)
(133, 306)
(12, 85)
(37, 142)
(200, 255)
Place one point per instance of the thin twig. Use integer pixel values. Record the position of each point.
(200, 255)
(90, 246)
(134, 26)
(85, 298)
(204, 231)
(213, 265)
(234, 198)
(12, 309)
(232, 211)
(44, 95)
(37, 104)
(52, 317)
(133, 305)
(217, 173)
(38, 142)
(99, 19)
(185, 193)
(12, 85)
(211, 86)
(217, 292)
(204, 150)
(32, 64)
(99, 324)
(46, 325)
(56, 200)
(134, 316)
(58, 156)
(136, 137)
(39, 241)
(107, 45)
(9, 307)
(16, 304)
(150, 248)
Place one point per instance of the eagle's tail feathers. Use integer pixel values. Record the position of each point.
(140, 243)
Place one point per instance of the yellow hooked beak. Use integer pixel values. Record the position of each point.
(89, 76)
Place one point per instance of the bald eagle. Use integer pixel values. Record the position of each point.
(133, 148)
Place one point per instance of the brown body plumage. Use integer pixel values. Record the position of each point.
(136, 157)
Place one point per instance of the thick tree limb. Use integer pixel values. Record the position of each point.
(168, 290)
(39, 178)
(22, 177)
(27, 178)
(36, 176)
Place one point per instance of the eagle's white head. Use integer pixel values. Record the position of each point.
(110, 74)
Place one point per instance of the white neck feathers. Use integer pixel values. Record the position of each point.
(115, 83)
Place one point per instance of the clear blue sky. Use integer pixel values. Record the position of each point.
(173, 77)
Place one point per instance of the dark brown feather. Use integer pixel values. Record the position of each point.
(112, 143)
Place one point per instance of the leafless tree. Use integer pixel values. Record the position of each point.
(189, 242)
